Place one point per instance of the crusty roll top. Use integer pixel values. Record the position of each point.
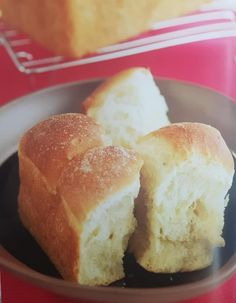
(184, 139)
(97, 175)
(53, 142)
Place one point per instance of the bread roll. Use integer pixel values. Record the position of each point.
(77, 27)
(128, 106)
(99, 191)
(187, 173)
(77, 197)
(52, 143)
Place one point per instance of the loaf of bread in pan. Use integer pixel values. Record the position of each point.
(187, 172)
(77, 27)
(77, 197)
(128, 106)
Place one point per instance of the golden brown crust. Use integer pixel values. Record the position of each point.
(44, 150)
(67, 27)
(63, 177)
(95, 176)
(53, 142)
(187, 172)
(43, 214)
(96, 98)
(186, 138)
(45, 22)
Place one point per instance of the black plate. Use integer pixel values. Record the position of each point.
(16, 239)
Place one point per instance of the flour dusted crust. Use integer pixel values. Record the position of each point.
(67, 178)
(52, 143)
(100, 173)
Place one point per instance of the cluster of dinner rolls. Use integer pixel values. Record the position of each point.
(81, 198)
(187, 172)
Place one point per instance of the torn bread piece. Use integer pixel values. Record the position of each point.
(128, 106)
(77, 197)
(187, 172)
(98, 191)
(44, 151)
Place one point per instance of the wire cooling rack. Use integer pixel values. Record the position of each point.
(30, 58)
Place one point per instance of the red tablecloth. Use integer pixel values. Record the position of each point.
(209, 63)
(16, 291)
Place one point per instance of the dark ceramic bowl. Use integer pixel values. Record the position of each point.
(19, 253)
